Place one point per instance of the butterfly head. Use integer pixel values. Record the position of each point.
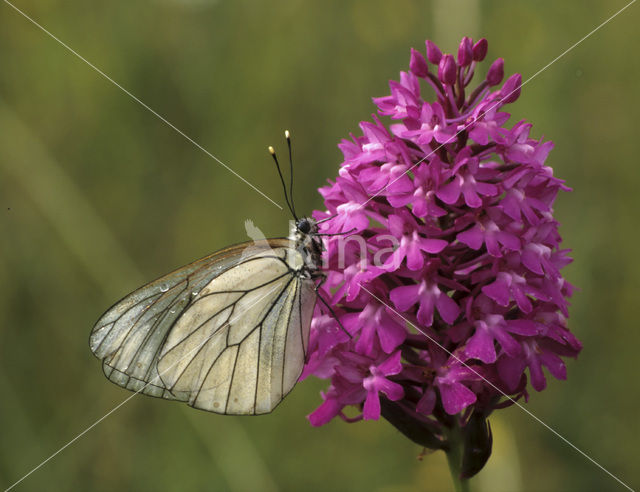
(306, 226)
(305, 235)
(304, 230)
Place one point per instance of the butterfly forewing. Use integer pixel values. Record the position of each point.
(227, 333)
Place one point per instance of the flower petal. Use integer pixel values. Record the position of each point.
(371, 409)
(404, 297)
(456, 397)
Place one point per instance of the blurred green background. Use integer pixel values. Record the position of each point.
(97, 196)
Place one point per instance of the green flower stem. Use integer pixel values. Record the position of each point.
(454, 458)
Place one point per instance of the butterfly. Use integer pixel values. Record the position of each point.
(227, 333)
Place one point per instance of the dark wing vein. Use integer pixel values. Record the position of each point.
(158, 320)
(250, 332)
(224, 308)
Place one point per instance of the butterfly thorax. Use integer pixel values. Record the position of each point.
(308, 244)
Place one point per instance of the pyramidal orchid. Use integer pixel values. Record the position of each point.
(443, 261)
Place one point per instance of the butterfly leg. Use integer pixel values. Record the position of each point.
(323, 279)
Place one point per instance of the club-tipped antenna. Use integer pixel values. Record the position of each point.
(284, 186)
(287, 135)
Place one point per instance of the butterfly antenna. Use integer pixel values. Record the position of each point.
(287, 135)
(284, 186)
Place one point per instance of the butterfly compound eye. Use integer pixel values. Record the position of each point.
(304, 226)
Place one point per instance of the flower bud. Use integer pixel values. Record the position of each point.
(478, 441)
(413, 425)
(511, 89)
(447, 70)
(465, 52)
(496, 72)
(417, 64)
(480, 49)
(433, 52)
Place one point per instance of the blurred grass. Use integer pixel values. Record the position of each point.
(97, 195)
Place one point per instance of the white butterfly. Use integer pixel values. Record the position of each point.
(227, 333)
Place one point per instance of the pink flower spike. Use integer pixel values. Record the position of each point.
(448, 208)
